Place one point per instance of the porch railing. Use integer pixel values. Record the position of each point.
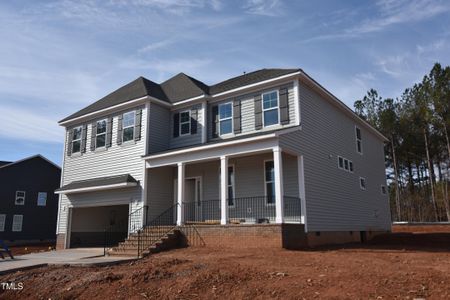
(243, 210)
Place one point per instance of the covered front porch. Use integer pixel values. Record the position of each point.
(227, 185)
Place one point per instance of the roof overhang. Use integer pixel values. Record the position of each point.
(234, 148)
(98, 184)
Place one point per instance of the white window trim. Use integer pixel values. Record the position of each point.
(365, 183)
(343, 164)
(104, 133)
(130, 126)
(360, 140)
(189, 121)
(381, 190)
(3, 223)
(24, 197)
(73, 140)
(266, 182)
(46, 196)
(225, 119)
(14, 222)
(272, 108)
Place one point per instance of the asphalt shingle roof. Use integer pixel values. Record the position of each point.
(97, 182)
(177, 88)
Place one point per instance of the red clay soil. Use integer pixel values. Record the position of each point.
(379, 270)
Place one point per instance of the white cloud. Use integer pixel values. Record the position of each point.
(270, 8)
(26, 125)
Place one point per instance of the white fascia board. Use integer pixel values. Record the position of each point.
(342, 105)
(257, 84)
(190, 100)
(114, 108)
(98, 188)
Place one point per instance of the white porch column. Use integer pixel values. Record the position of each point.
(180, 194)
(279, 192)
(223, 189)
(301, 188)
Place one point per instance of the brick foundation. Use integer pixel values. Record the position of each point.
(60, 241)
(288, 236)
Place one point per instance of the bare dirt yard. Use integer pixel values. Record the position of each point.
(412, 263)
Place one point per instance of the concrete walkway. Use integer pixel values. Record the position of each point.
(76, 257)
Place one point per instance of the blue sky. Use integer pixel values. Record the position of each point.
(58, 56)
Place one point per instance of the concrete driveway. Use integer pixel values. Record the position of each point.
(79, 256)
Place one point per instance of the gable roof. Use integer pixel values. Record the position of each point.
(2, 163)
(27, 159)
(249, 78)
(182, 86)
(138, 88)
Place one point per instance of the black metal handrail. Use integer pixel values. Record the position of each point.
(255, 210)
(118, 232)
(152, 231)
(292, 209)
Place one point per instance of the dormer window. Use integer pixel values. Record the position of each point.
(128, 122)
(270, 108)
(76, 139)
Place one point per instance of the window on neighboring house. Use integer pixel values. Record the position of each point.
(362, 183)
(225, 118)
(231, 185)
(20, 198)
(128, 122)
(383, 190)
(17, 223)
(270, 108)
(100, 137)
(350, 166)
(2, 222)
(185, 122)
(345, 164)
(76, 139)
(269, 178)
(42, 199)
(358, 140)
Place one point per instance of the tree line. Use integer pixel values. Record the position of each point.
(417, 125)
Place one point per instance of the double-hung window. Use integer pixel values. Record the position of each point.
(269, 179)
(226, 118)
(270, 108)
(185, 122)
(20, 198)
(345, 164)
(358, 140)
(76, 139)
(128, 122)
(17, 223)
(100, 136)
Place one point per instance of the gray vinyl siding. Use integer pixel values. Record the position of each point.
(116, 160)
(159, 132)
(248, 112)
(160, 195)
(334, 200)
(190, 139)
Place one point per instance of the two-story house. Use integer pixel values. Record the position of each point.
(267, 148)
(28, 204)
